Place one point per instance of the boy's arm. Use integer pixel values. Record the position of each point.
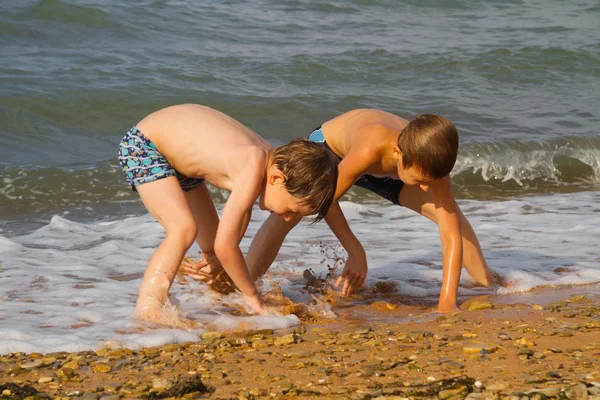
(361, 157)
(356, 163)
(234, 221)
(447, 217)
(355, 271)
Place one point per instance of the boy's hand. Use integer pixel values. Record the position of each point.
(256, 304)
(206, 269)
(354, 273)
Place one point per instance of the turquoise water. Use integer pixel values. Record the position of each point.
(521, 80)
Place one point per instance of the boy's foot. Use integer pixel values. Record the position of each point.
(148, 309)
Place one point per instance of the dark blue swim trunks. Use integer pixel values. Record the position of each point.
(142, 162)
(388, 188)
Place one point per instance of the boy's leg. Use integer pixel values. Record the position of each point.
(267, 242)
(207, 222)
(165, 200)
(474, 262)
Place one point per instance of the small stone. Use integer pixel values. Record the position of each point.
(73, 364)
(577, 392)
(383, 306)
(578, 299)
(479, 348)
(525, 342)
(496, 387)
(211, 335)
(451, 394)
(14, 370)
(160, 383)
(45, 379)
(101, 368)
(283, 340)
(32, 364)
(546, 393)
(88, 396)
(48, 360)
(480, 305)
(298, 354)
(455, 365)
(553, 350)
(260, 344)
(65, 373)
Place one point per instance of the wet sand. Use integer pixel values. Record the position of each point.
(539, 345)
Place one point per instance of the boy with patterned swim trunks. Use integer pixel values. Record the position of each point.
(168, 156)
(407, 163)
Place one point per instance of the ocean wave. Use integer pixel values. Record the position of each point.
(557, 162)
(484, 170)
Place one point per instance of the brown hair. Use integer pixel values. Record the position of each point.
(430, 143)
(311, 173)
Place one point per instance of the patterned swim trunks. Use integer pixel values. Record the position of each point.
(142, 162)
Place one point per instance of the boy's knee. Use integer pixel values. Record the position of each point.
(184, 232)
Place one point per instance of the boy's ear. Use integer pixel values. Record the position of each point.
(276, 176)
(396, 152)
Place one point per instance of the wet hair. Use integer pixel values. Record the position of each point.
(430, 144)
(311, 173)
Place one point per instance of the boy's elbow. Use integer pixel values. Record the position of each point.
(223, 249)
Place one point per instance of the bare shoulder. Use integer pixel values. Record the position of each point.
(249, 163)
(371, 138)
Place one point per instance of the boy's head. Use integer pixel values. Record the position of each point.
(301, 180)
(428, 146)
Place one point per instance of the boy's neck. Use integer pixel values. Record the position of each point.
(388, 161)
(267, 167)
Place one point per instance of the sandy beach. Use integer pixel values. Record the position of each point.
(539, 345)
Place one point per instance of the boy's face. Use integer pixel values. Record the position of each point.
(278, 200)
(413, 176)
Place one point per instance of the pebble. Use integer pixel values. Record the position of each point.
(101, 368)
(37, 362)
(384, 361)
(480, 305)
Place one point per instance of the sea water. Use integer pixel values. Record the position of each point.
(520, 80)
(72, 286)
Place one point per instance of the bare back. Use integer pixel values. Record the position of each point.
(365, 128)
(200, 142)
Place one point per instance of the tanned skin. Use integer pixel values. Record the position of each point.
(366, 140)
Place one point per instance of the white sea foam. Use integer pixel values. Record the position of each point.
(72, 286)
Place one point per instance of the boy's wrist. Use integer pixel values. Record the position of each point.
(355, 250)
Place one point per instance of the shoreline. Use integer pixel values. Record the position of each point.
(540, 344)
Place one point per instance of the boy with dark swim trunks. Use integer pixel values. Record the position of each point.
(168, 156)
(407, 163)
